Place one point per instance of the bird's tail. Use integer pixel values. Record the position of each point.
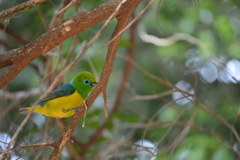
(24, 110)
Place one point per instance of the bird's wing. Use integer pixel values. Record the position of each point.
(64, 90)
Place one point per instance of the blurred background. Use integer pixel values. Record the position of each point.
(193, 45)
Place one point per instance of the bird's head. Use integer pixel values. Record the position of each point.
(84, 82)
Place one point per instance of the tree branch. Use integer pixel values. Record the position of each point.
(127, 68)
(58, 17)
(20, 7)
(122, 87)
(21, 57)
(28, 146)
(123, 18)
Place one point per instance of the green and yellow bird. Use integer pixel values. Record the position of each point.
(59, 103)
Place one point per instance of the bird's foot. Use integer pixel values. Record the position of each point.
(64, 110)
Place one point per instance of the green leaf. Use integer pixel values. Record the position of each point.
(125, 43)
(126, 117)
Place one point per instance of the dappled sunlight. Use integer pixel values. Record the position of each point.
(4, 140)
(233, 68)
(39, 119)
(167, 73)
(235, 25)
(230, 73)
(193, 61)
(180, 97)
(223, 75)
(206, 16)
(144, 150)
(208, 72)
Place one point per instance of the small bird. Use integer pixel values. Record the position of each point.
(61, 102)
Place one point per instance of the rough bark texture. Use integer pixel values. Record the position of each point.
(123, 16)
(21, 57)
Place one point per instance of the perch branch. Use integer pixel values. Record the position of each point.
(123, 18)
(21, 57)
(126, 74)
(125, 77)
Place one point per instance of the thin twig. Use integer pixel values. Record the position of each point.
(58, 18)
(182, 134)
(224, 121)
(21, 94)
(13, 34)
(170, 128)
(133, 21)
(84, 49)
(20, 7)
(93, 69)
(152, 76)
(28, 146)
(68, 6)
(154, 116)
(122, 87)
(153, 96)
(127, 68)
(21, 57)
(105, 103)
(71, 50)
(103, 79)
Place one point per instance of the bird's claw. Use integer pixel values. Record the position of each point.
(64, 110)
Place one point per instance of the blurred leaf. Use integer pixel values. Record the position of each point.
(225, 32)
(109, 124)
(168, 114)
(125, 43)
(125, 117)
(94, 124)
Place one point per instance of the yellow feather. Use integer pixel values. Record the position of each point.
(58, 108)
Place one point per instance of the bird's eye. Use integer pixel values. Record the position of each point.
(86, 82)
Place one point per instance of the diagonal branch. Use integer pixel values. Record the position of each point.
(122, 22)
(29, 146)
(21, 57)
(127, 68)
(58, 17)
(121, 90)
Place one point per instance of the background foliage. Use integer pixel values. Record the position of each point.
(203, 60)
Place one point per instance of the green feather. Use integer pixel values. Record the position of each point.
(60, 102)
(80, 86)
(64, 90)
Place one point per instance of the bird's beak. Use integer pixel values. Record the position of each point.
(94, 84)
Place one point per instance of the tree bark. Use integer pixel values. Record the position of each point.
(21, 57)
(123, 17)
